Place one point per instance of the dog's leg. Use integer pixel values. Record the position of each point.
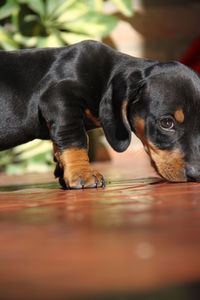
(73, 169)
(77, 170)
(65, 122)
(59, 170)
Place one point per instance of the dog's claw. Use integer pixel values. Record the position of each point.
(82, 182)
(86, 180)
(103, 183)
(96, 180)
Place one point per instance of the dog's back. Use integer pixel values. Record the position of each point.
(26, 74)
(20, 73)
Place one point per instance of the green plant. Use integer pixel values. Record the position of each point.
(35, 156)
(49, 23)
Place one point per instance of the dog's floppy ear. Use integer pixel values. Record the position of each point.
(135, 83)
(113, 115)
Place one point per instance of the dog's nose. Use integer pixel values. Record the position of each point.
(193, 173)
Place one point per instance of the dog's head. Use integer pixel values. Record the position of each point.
(162, 107)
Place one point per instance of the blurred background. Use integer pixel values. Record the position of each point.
(155, 29)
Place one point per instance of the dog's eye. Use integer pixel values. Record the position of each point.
(167, 123)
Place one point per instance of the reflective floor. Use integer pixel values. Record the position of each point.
(139, 237)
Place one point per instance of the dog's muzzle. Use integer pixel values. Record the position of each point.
(193, 172)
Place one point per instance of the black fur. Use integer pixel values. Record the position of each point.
(44, 93)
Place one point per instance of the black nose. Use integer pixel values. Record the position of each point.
(193, 173)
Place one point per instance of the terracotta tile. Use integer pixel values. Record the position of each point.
(137, 234)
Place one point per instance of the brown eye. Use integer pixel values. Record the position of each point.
(167, 123)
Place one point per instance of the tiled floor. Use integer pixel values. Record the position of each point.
(138, 235)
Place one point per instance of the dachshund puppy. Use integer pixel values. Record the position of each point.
(60, 93)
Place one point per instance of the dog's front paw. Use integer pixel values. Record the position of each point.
(77, 171)
(83, 178)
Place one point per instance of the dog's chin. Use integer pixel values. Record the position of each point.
(170, 174)
(172, 179)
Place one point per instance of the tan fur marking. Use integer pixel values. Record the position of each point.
(169, 163)
(56, 153)
(179, 115)
(124, 111)
(59, 168)
(75, 157)
(76, 165)
(92, 118)
(140, 129)
(77, 170)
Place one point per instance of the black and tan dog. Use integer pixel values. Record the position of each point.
(61, 93)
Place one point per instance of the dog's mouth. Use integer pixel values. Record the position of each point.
(169, 165)
(169, 174)
(193, 179)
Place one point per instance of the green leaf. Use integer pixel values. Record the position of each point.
(32, 149)
(6, 40)
(30, 18)
(53, 5)
(28, 167)
(9, 8)
(93, 24)
(40, 167)
(16, 169)
(37, 6)
(75, 11)
(96, 5)
(6, 157)
(61, 6)
(28, 42)
(53, 40)
(35, 156)
(72, 38)
(125, 7)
